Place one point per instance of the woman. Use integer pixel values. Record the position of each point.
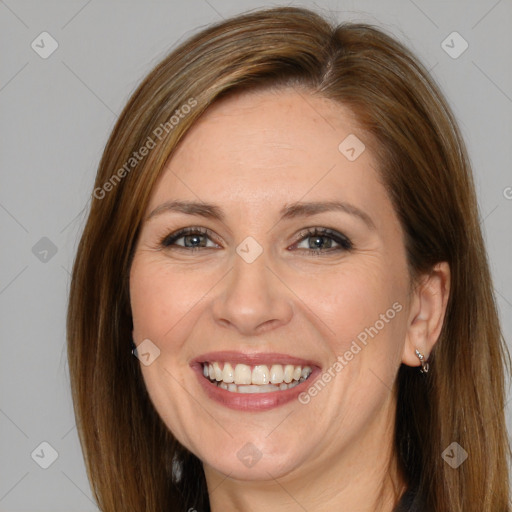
(284, 229)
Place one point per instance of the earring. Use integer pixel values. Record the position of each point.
(134, 348)
(424, 364)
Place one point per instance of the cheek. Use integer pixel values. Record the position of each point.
(161, 298)
(352, 299)
(364, 311)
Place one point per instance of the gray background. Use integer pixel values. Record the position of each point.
(56, 116)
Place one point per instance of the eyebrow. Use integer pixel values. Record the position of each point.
(289, 211)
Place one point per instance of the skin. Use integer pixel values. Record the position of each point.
(251, 154)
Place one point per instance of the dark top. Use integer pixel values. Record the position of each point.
(410, 502)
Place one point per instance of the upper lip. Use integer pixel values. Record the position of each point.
(252, 359)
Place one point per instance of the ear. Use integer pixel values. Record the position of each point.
(426, 314)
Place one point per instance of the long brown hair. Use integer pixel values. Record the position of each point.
(128, 450)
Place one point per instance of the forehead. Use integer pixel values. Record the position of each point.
(271, 146)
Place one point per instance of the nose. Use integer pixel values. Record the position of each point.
(253, 299)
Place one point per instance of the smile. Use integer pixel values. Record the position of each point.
(253, 382)
(261, 378)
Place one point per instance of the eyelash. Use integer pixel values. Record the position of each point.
(344, 242)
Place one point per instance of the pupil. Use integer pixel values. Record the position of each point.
(318, 242)
(195, 238)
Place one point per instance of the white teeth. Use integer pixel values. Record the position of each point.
(253, 388)
(258, 379)
(288, 373)
(248, 389)
(243, 374)
(228, 374)
(217, 371)
(267, 388)
(260, 375)
(276, 374)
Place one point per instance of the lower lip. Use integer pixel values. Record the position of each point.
(252, 401)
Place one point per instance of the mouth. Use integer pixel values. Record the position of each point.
(253, 382)
(261, 378)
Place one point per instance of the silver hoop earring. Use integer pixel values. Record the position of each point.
(134, 348)
(424, 364)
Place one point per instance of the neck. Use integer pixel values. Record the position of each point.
(365, 477)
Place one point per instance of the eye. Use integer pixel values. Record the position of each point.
(193, 239)
(322, 239)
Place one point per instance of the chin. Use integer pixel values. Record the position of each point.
(256, 460)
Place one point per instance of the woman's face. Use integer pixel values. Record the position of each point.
(268, 280)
